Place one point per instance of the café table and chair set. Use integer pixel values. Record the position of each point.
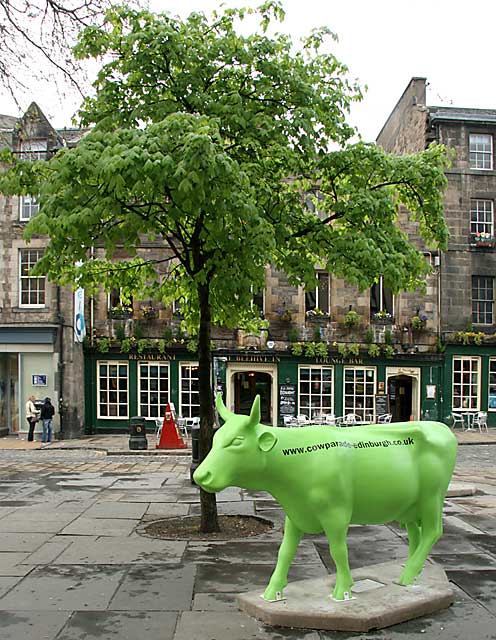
(329, 419)
(470, 420)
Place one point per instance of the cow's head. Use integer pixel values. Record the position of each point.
(237, 457)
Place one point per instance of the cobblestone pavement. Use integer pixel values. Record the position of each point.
(73, 565)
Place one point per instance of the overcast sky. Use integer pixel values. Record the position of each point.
(384, 43)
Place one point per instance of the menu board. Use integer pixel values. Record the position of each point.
(287, 399)
(381, 404)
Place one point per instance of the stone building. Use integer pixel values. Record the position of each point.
(328, 350)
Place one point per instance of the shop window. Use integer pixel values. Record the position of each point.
(112, 389)
(481, 151)
(482, 300)
(315, 397)
(189, 397)
(359, 391)
(31, 288)
(319, 297)
(492, 384)
(28, 207)
(466, 371)
(381, 301)
(153, 389)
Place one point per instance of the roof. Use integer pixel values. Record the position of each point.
(7, 123)
(456, 114)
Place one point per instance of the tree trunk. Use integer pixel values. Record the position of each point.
(209, 520)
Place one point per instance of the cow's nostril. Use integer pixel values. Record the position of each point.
(202, 477)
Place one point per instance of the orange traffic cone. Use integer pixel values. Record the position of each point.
(169, 436)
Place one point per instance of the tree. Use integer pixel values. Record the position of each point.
(214, 142)
(31, 30)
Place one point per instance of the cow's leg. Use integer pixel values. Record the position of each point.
(336, 530)
(279, 578)
(414, 532)
(431, 529)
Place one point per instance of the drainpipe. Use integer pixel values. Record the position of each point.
(60, 322)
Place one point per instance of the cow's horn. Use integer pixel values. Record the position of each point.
(224, 412)
(255, 411)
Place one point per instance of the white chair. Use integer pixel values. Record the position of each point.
(480, 421)
(458, 419)
(302, 419)
(384, 418)
(330, 419)
(158, 428)
(351, 419)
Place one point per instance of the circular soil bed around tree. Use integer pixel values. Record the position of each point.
(188, 528)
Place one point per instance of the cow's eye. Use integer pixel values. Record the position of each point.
(238, 440)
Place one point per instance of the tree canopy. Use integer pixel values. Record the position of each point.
(215, 143)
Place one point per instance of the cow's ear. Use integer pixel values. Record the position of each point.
(255, 412)
(224, 412)
(266, 440)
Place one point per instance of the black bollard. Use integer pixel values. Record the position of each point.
(137, 433)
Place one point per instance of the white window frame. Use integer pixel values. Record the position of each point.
(112, 307)
(458, 400)
(160, 407)
(118, 364)
(481, 151)
(32, 150)
(365, 412)
(30, 205)
(491, 404)
(185, 395)
(40, 281)
(318, 301)
(480, 304)
(314, 411)
(480, 210)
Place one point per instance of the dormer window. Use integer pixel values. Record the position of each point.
(32, 150)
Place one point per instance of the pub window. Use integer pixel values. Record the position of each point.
(466, 382)
(481, 151)
(482, 299)
(359, 391)
(492, 384)
(112, 390)
(153, 388)
(315, 397)
(319, 297)
(189, 397)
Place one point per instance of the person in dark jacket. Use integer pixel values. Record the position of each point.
(47, 413)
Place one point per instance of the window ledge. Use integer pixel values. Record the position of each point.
(33, 309)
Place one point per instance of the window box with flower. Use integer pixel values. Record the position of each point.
(382, 317)
(483, 239)
(286, 315)
(149, 312)
(316, 314)
(418, 322)
(120, 312)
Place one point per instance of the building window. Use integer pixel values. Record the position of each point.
(492, 384)
(117, 306)
(359, 391)
(153, 389)
(315, 395)
(482, 299)
(33, 150)
(258, 303)
(466, 382)
(189, 398)
(319, 298)
(481, 151)
(112, 390)
(28, 207)
(482, 218)
(31, 288)
(381, 301)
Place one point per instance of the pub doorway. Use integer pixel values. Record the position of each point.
(400, 390)
(248, 384)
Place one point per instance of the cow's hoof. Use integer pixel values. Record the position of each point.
(273, 595)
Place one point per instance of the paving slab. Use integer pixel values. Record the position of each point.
(10, 564)
(237, 551)
(84, 526)
(205, 625)
(48, 552)
(214, 577)
(129, 625)
(32, 625)
(7, 582)
(23, 541)
(480, 585)
(158, 510)
(71, 588)
(378, 601)
(138, 550)
(245, 507)
(155, 588)
(215, 602)
(110, 509)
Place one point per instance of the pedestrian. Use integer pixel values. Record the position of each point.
(47, 412)
(32, 416)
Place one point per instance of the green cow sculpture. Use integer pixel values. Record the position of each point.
(326, 478)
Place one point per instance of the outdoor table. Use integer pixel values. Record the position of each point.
(469, 417)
